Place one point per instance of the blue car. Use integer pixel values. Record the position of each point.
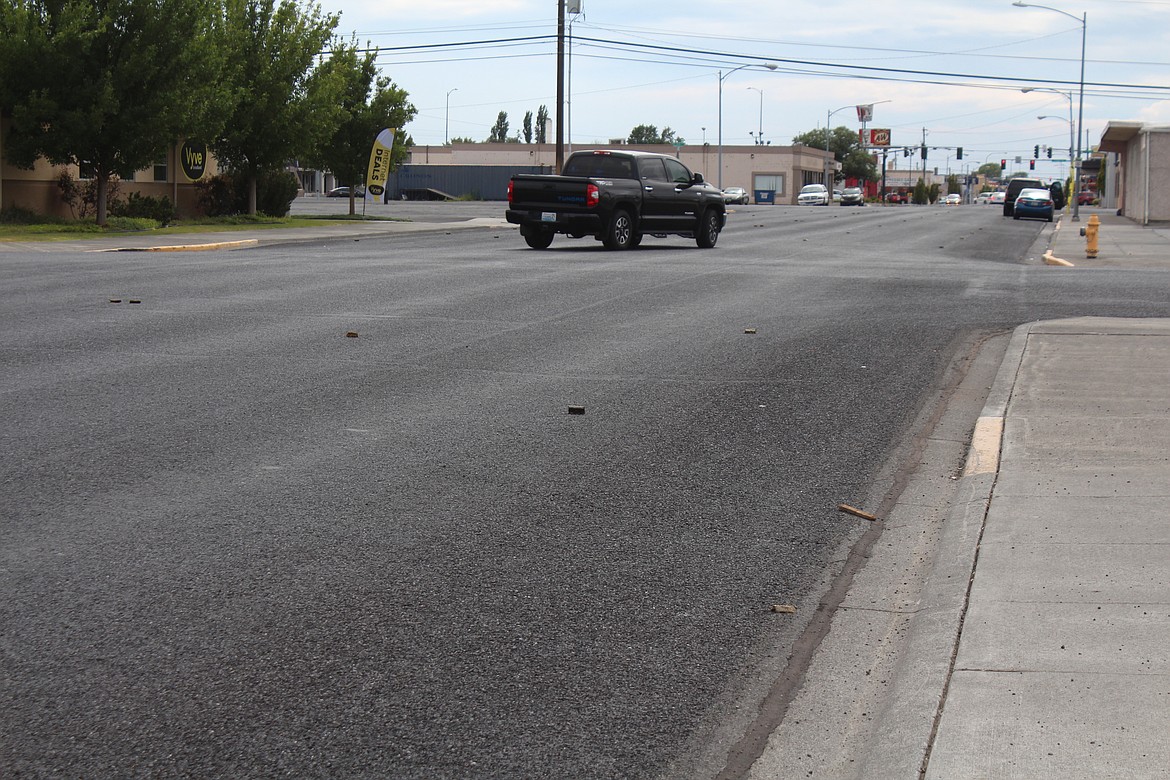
(1034, 204)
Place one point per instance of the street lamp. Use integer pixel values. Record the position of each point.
(1072, 162)
(1084, 20)
(447, 121)
(760, 139)
(721, 75)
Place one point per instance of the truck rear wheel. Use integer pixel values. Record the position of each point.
(538, 239)
(620, 230)
(708, 232)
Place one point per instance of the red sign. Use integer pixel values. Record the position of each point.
(879, 137)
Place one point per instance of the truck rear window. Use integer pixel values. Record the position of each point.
(599, 166)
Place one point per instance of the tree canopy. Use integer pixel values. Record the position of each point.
(648, 134)
(108, 85)
(368, 104)
(283, 108)
(856, 162)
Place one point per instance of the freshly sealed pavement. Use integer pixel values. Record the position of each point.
(1039, 644)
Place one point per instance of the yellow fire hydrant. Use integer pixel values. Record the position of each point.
(1091, 236)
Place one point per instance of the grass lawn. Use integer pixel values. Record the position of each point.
(68, 230)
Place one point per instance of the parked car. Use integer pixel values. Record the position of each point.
(813, 195)
(897, 197)
(954, 199)
(983, 198)
(852, 196)
(735, 195)
(836, 195)
(1034, 204)
(343, 192)
(997, 198)
(1056, 189)
(1086, 198)
(1014, 188)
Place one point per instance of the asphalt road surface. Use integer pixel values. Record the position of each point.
(235, 542)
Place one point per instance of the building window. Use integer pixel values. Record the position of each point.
(769, 181)
(160, 171)
(85, 170)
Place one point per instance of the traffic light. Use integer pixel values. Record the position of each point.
(1050, 153)
(905, 151)
(1031, 165)
(924, 153)
(1035, 151)
(1002, 166)
(959, 153)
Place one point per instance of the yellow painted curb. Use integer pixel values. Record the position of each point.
(188, 247)
(983, 457)
(1050, 260)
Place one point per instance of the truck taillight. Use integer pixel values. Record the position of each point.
(592, 195)
(509, 190)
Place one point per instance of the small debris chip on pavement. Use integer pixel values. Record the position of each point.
(749, 330)
(786, 609)
(351, 334)
(576, 409)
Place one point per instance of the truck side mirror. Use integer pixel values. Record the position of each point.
(697, 178)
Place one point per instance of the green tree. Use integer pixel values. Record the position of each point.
(542, 124)
(369, 103)
(648, 134)
(989, 170)
(841, 141)
(921, 194)
(284, 109)
(499, 133)
(459, 139)
(108, 85)
(528, 127)
(859, 164)
(953, 186)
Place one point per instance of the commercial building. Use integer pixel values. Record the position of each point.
(1137, 180)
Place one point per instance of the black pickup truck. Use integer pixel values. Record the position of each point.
(617, 197)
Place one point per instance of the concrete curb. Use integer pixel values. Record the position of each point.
(900, 746)
(187, 247)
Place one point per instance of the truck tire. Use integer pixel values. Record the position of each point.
(619, 232)
(708, 232)
(538, 239)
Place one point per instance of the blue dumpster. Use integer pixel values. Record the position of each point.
(765, 196)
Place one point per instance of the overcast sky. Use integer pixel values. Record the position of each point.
(953, 68)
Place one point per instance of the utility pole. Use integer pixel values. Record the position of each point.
(560, 85)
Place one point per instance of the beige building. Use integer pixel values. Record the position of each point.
(781, 169)
(1141, 179)
(36, 189)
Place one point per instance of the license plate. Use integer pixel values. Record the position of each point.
(548, 216)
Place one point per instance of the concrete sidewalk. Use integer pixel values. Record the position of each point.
(1025, 631)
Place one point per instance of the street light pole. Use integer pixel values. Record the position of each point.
(721, 76)
(447, 121)
(760, 138)
(1084, 20)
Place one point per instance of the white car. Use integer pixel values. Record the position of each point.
(983, 198)
(953, 200)
(997, 198)
(813, 195)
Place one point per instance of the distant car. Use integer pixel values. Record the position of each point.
(997, 198)
(735, 195)
(837, 195)
(897, 197)
(343, 192)
(983, 198)
(1014, 188)
(1034, 204)
(953, 199)
(852, 196)
(1086, 198)
(813, 195)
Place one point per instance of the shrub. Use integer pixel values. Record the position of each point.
(227, 194)
(82, 198)
(160, 209)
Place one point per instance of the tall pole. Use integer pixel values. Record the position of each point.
(1080, 119)
(721, 76)
(447, 121)
(560, 85)
(760, 136)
